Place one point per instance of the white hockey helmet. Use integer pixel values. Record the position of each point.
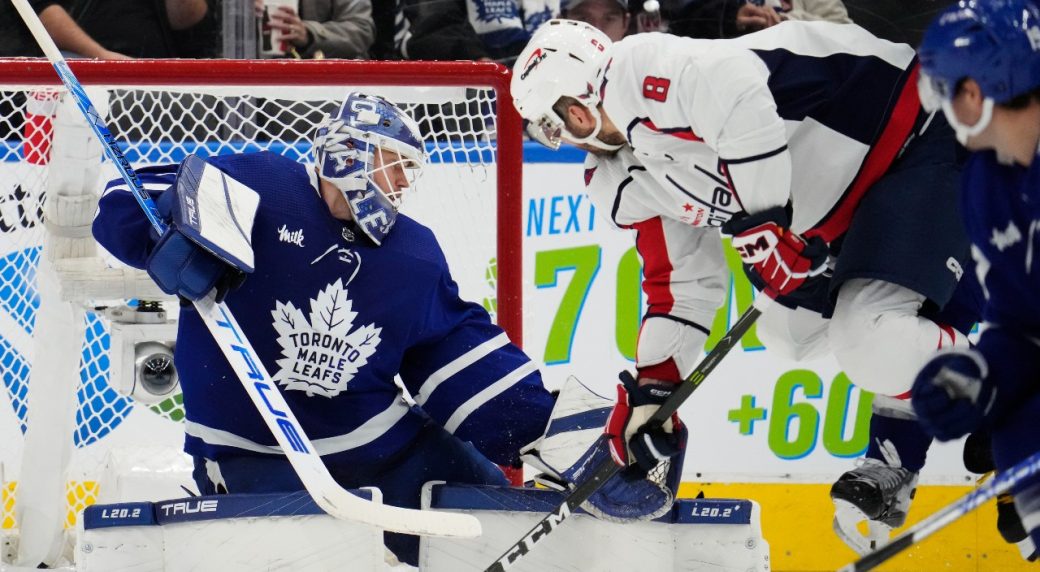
(563, 58)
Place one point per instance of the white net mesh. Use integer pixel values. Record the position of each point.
(456, 198)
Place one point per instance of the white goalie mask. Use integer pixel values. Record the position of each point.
(563, 58)
(362, 145)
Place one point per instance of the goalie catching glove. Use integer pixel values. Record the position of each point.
(782, 260)
(573, 445)
(207, 244)
(632, 444)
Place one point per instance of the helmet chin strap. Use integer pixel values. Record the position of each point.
(962, 131)
(591, 139)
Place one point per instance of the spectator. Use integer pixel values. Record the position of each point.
(117, 29)
(472, 29)
(15, 39)
(902, 21)
(329, 28)
(714, 19)
(386, 14)
(610, 16)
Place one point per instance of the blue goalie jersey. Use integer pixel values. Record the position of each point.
(334, 319)
(1002, 208)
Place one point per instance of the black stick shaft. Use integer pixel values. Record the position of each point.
(608, 468)
(707, 365)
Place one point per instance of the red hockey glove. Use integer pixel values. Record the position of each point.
(630, 443)
(781, 258)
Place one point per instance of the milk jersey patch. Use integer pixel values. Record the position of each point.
(291, 236)
(323, 351)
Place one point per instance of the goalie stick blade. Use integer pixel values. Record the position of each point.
(344, 505)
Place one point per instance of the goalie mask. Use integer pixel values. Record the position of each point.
(563, 58)
(367, 146)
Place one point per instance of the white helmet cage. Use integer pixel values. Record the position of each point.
(563, 58)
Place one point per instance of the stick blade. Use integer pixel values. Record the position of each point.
(345, 505)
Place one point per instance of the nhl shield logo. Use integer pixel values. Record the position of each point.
(322, 353)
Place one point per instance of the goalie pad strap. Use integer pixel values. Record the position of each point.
(78, 231)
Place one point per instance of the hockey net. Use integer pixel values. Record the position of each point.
(161, 111)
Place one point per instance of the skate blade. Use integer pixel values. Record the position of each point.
(1027, 549)
(847, 519)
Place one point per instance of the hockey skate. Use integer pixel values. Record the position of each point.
(877, 492)
(1009, 524)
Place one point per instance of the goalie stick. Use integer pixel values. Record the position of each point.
(601, 473)
(267, 398)
(1002, 483)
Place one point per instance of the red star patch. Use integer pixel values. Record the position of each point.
(687, 207)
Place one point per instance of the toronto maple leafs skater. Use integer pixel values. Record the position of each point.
(805, 142)
(980, 63)
(345, 293)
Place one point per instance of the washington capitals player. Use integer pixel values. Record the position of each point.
(980, 63)
(346, 294)
(807, 143)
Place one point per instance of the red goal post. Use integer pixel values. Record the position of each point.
(352, 73)
(159, 110)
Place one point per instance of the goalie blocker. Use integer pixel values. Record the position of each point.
(207, 245)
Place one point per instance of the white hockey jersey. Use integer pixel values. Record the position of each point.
(684, 270)
(807, 112)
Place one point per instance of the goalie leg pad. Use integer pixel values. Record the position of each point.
(576, 421)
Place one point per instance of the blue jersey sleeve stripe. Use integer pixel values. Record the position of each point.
(376, 426)
(458, 364)
(492, 391)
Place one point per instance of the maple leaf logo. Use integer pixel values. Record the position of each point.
(322, 352)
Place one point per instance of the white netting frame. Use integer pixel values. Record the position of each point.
(478, 150)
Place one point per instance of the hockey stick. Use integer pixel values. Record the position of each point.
(962, 506)
(265, 395)
(601, 473)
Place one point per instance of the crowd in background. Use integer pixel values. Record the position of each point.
(493, 30)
